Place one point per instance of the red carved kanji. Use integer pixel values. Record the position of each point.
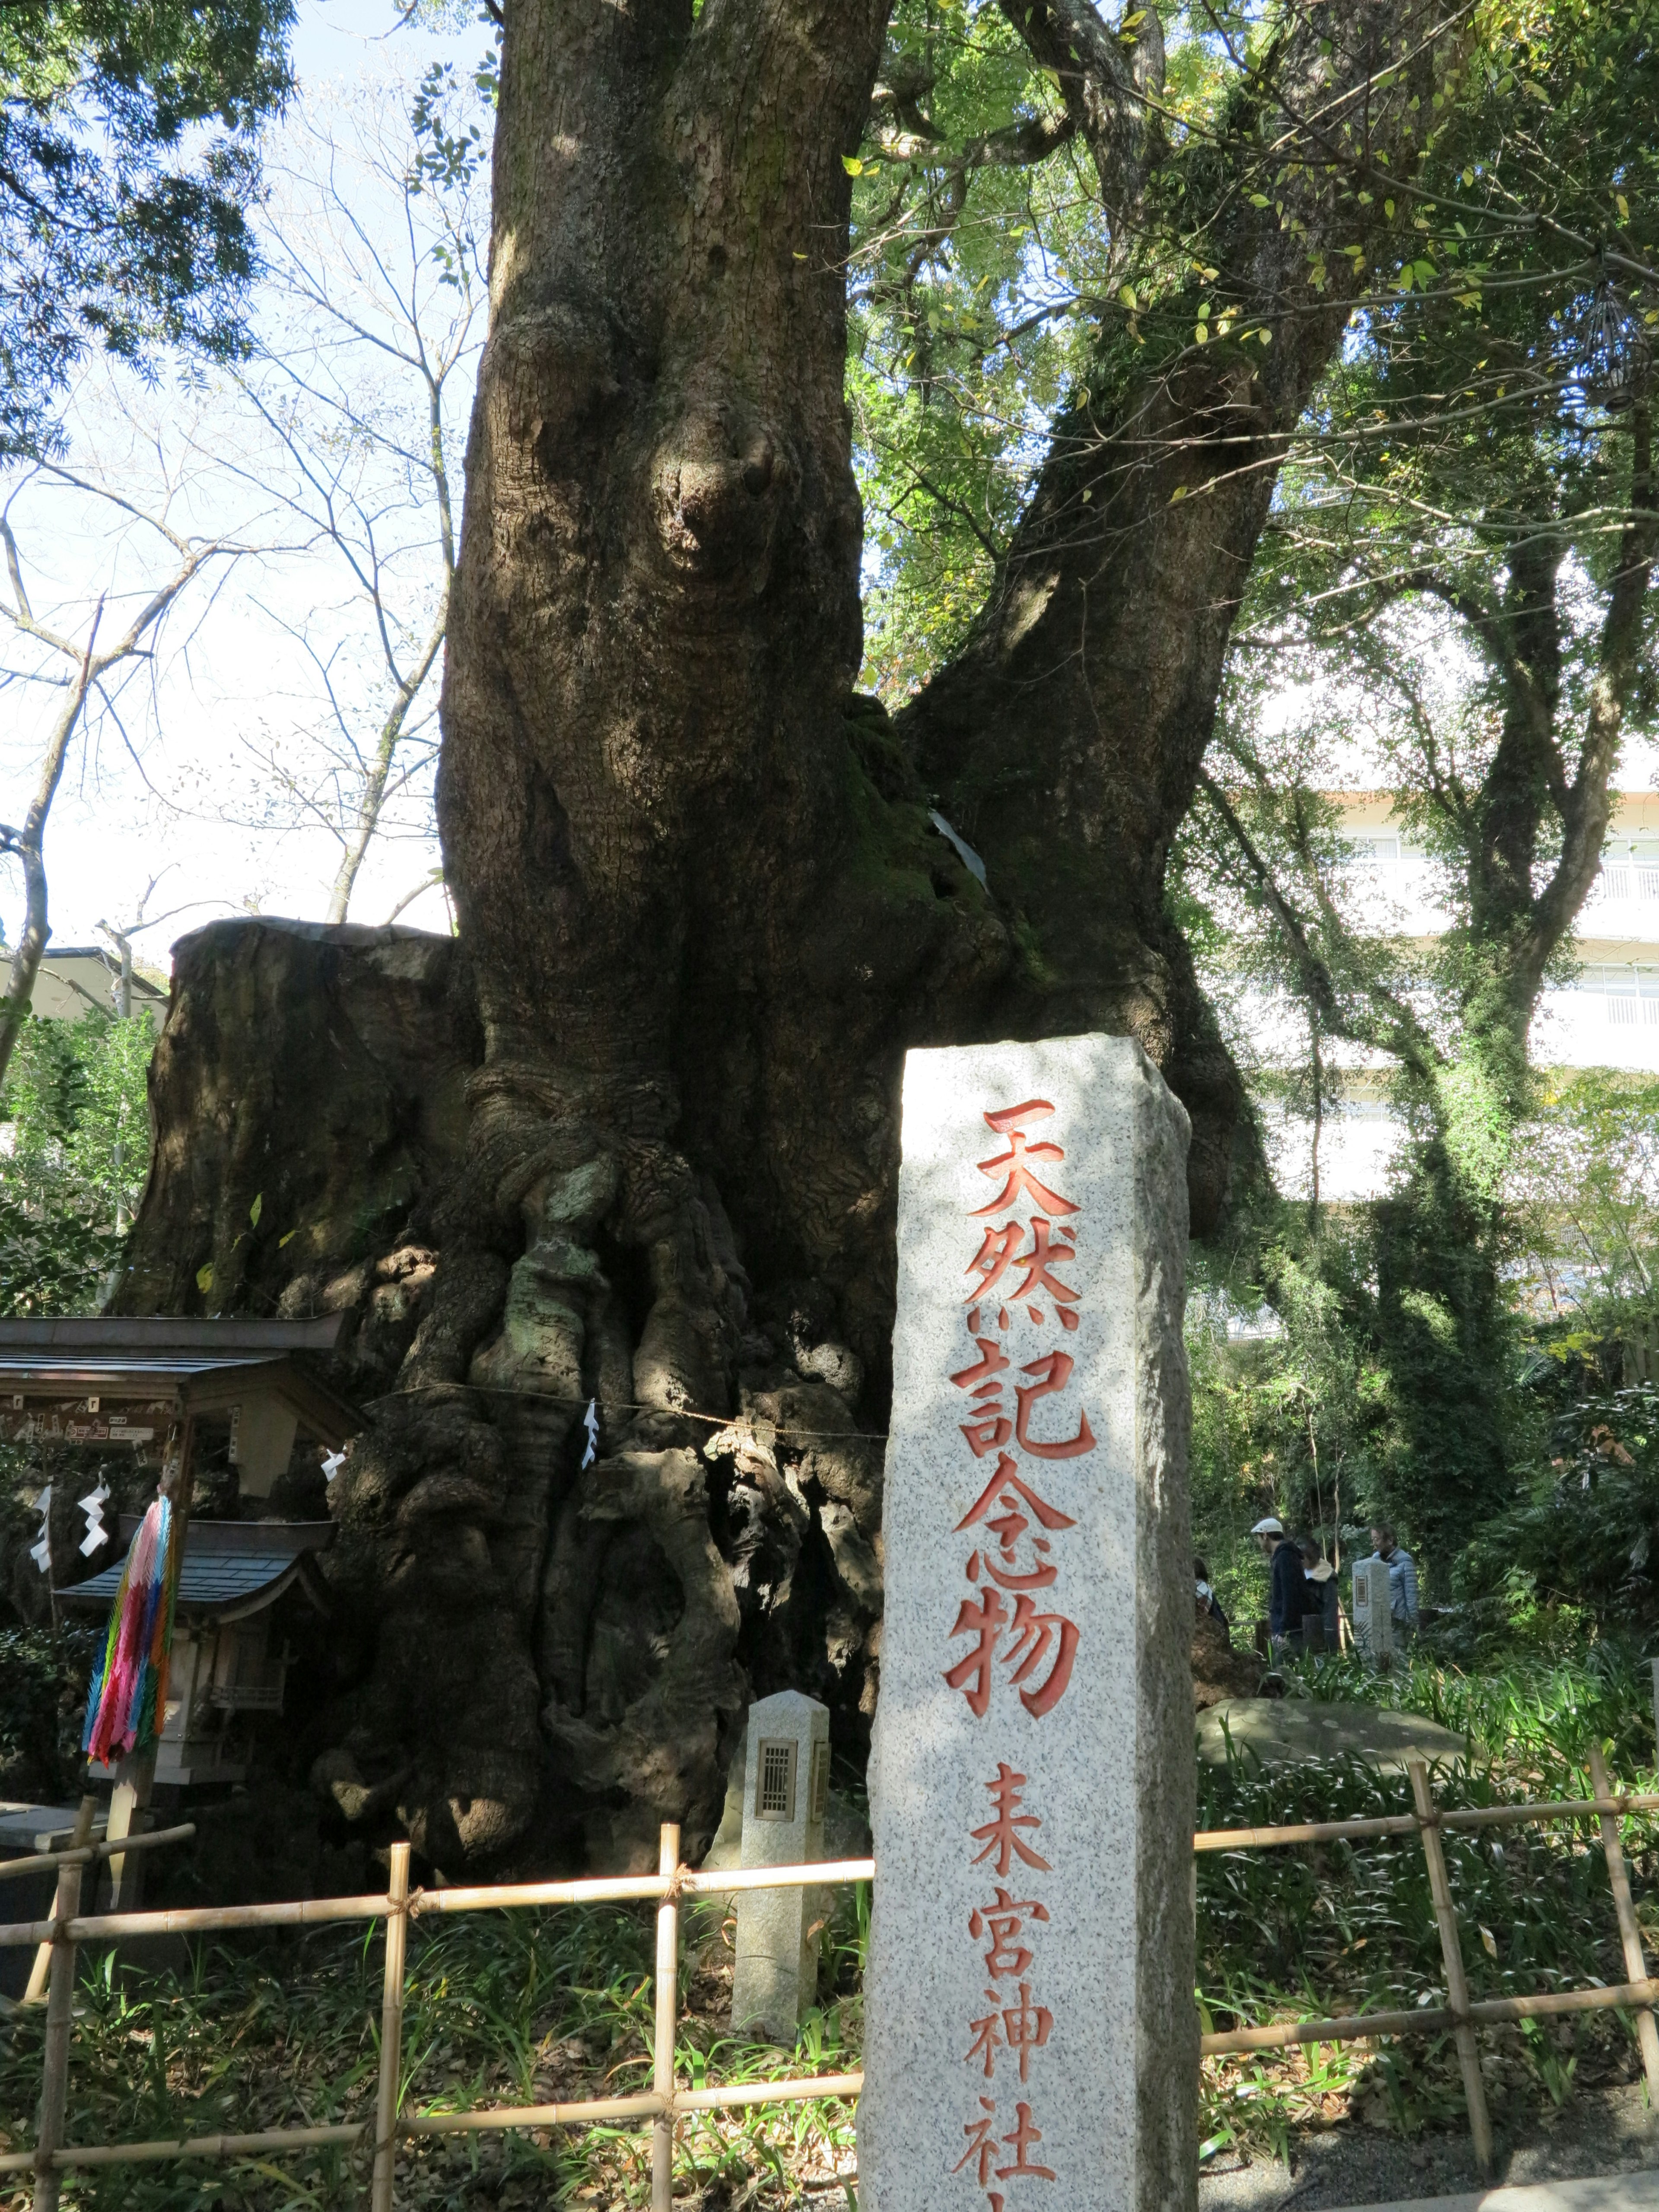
(1054, 1372)
(988, 2039)
(1003, 1487)
(1039, 1577)
(1021, 1181)
(1025, 2028)
(1031, 1639)
(1023, 2134)
(993, 1259)
(984, 1622)
(1038, 1279)
(1000, 1834)
(981, 2143)
(1005, 1923)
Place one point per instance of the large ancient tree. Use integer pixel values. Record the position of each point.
(634, 1138)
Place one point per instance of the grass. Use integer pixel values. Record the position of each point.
(528, 2008)
(1344, 1928)
(519, 2008)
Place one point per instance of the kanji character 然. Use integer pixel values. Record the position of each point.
(1025, 2028)
(1054, 1372)
(1023, 2135)
(993, 1259)
(1037, 1278)
(980, 2142)
(1005, 1923)
(1000, 1834)
(984, 1622)
(1030, 1639)
(1021, 1181)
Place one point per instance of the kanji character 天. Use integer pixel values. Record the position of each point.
(1054, 1372)
(1025, 2028)
(1005, 1923)
(984, 1622)
(1030, 1639)
(1023, 2134)
(981, 2141)
(1021, 1181)
(1000, 1834)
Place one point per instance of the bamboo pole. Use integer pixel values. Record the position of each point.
(725, 1882)
(189, 2147)
(43, 1958)
(1457, 1988)
(84, 1854)
(60, 2006)
(668, 2013)
(1647, 2034)
(391, 2031)
(1357, 2027)
(199, 1920)
(1402, 1824)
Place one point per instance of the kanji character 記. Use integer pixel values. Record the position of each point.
(972, 1676)
(1025, 2028)
(1054, 1372)
(1023, 2134)
(1005, 1489)
(1038, 1279)
(1005, 1923)
(1031, 1637)
(1021, 1181)
(988, 2039)
(1000, 1834)
(981, 2141)
(990, 1428)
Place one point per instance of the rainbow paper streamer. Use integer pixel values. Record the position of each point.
(129, 1692)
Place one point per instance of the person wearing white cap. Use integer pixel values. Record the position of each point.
(1287, 1587)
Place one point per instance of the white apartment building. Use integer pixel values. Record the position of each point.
(1606, 1016)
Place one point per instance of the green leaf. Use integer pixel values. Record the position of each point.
(1258, 200)
(257, 1208)
(1126, 293)
(288, 1239)
(852, 164)
(204, 1276)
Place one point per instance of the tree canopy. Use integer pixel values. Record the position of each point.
(128, 167)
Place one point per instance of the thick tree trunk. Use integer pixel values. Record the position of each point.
(705, 912)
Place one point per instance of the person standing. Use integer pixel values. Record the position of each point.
(1402, 1585)
(1323, 1601)
(1287, 1585)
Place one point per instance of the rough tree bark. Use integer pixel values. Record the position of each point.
(705, 913)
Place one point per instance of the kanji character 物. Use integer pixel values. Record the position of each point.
(984, 1622)
(1030, 1639)
(1000, 1835)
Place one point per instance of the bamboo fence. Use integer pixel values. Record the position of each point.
(666, 2102)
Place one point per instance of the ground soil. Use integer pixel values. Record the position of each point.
(1602, 2131)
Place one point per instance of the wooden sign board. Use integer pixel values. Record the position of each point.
(141, 1423)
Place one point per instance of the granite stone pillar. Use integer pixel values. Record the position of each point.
(785, 1794)
(1031, 2038)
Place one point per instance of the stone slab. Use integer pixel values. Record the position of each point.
(1032, 1790)
(1617, 2192)
(785, 1795)
(1287, 1731)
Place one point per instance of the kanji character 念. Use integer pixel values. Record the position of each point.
(1003, 1488)
(1000, 1835)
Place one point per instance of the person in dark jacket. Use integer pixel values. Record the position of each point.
(1207, 1598)
(1287, 1585)
(1323, 1601)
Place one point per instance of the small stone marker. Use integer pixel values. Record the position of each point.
(786, 1792)
(1373, 1619)
(1031, 2039)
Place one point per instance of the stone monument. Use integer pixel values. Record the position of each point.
(1373, 1617)
(1031, 2038)
(785, 1791)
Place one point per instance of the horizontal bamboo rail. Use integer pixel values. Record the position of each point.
(1489, 2012)
(319, 1911)
(48, 1862)
(1406, 1824)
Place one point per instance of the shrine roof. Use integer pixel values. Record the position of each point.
(231, 1567)
(204, 1360)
